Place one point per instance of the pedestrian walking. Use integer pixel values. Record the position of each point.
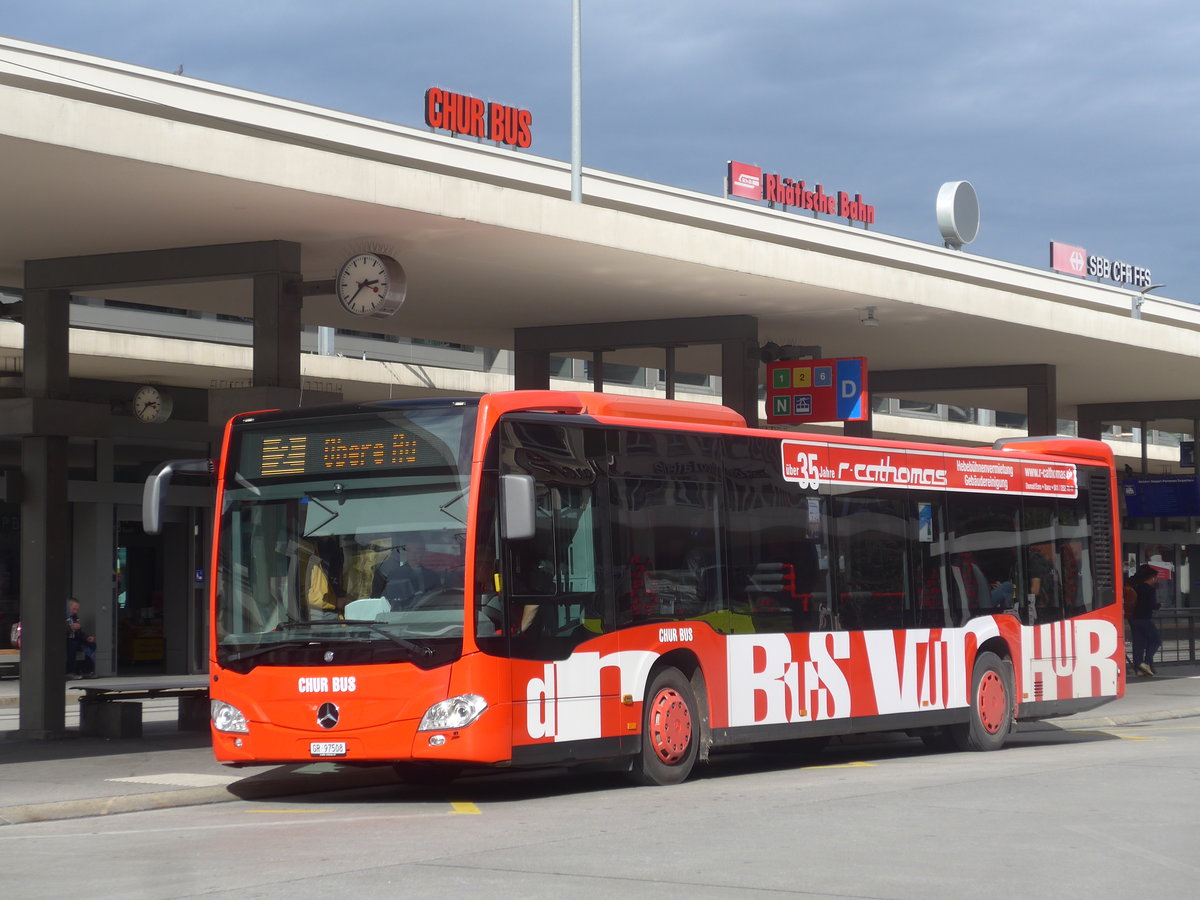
(1141, 619)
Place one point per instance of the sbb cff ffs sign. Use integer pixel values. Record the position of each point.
(817, 390)
(1072, 260)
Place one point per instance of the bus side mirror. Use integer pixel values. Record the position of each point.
(518, 506)
(154, 494)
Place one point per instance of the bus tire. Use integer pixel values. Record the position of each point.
(670, 730)
(991, 705)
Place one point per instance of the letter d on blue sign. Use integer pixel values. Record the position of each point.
(849, 388)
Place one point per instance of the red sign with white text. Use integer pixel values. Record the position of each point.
(812, 464)
(1068, 259)
(745, 181)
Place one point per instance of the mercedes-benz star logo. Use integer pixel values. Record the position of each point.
(327, 715)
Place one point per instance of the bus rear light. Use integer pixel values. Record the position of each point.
(457, 712)
(228, 718)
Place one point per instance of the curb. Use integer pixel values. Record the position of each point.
(1068, 724)
(247, 789)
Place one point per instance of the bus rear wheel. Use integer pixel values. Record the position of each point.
(991, 705)
(670, 730)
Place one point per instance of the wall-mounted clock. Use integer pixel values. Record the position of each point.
(371, 284)
(151, 404)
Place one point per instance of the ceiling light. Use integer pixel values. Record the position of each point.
(866, 315)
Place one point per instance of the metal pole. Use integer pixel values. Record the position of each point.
(576, 104)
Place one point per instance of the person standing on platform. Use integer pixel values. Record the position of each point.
(1141, 620)
(78, 641)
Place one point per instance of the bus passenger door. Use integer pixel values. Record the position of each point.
(940, 583)
(555, 608)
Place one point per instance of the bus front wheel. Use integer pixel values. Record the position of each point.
(991, 705)
(670, 730)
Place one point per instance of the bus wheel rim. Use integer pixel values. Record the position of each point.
(992, 702)
(670, 726)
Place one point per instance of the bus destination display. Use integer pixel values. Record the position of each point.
(353, 451)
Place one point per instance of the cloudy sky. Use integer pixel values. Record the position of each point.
(1075, 120)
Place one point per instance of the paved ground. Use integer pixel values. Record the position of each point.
(81, 776)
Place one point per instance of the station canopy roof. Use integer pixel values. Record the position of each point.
(102, 157)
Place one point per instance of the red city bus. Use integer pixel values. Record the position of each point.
(544, 578)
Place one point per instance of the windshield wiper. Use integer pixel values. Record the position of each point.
(262, 649)
(444, 507)
(333, 514)
(410, 646)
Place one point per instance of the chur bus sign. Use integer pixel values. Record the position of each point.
(472, 117)
(817, 390)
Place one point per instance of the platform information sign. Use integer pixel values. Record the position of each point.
(817, 390)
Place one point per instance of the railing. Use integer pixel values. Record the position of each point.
(1177, 628)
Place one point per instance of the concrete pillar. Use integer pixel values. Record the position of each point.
(739, 374)
(1042, 404)
(863, 429)
(45, 531)
(176, 596)
(47, 335)
(531, 368)
(45, 522)
(92, 574)
(276, 330)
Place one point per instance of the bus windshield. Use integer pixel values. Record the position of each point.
(344, 539)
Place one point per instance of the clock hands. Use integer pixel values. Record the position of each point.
(361, 285)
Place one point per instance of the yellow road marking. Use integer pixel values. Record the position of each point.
(853, 765)
(1136, 737)
(464, 808)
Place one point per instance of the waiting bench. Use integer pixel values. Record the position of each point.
(112, 707)
(10, 663)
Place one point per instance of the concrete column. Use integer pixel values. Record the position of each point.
(276, 330)
(1042, 404)
(176, 595)
(1090, 425)
(739, 376)
(45, 557)
(45, 522)
(863, 429)
(92, 584)
(531, 368)
(47, 336)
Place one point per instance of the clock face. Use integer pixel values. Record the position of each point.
(151, 405)
(371, 284)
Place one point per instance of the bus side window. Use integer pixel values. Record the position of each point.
(984, 539)
(872, 549)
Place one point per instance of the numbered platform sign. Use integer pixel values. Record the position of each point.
(817, 390)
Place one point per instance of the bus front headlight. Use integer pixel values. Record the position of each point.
(228, 718)
(457, 712)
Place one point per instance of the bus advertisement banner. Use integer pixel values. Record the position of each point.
(812, 464)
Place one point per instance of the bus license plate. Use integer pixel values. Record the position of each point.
(327, 748)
